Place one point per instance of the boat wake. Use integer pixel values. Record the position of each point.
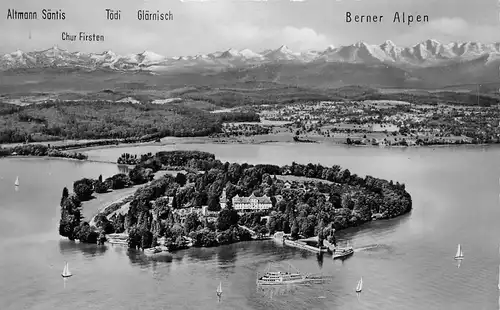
(367, 248)
(378, 248)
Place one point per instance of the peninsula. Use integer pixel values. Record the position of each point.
(211, 203)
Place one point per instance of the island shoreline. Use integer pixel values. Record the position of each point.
(351, 200)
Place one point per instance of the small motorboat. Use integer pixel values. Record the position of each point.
(157, 250)
(342, 252)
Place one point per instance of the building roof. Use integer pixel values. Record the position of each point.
(263, 199)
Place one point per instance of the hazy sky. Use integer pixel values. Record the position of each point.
(203, 27)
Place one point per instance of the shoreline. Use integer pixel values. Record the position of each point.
(74, 147)
(119, 201)
(210, 141)
(213, 141)
(59, 158)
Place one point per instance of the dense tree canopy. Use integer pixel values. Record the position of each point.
(317, 201)
(102, 120)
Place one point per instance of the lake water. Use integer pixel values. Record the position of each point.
(406, 263)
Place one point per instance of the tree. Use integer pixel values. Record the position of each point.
(65, 195)
(85, 234)
(335, 200)
(295, 230)
(227, 218)
(139, 175)
(191, 223)
(272, 224)
(146, 239)
(83, 188)
(213, 203)
(102, 222)
(100, 187)
(70, 216)
(134, 238)
(119, 181)
(181, 179)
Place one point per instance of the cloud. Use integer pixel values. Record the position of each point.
(304, 38)
(254, 37)
(450, 29)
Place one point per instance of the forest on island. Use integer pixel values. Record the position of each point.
(328, 198)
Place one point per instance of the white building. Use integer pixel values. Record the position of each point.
(247, 204)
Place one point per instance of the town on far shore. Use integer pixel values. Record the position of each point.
(370, 122)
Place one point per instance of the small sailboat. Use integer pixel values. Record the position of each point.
(499, 277)
(460, 253)
(66, 273)
(359, 287)
(16, 183)
(219, 290)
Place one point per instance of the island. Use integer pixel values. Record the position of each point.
(200, 201)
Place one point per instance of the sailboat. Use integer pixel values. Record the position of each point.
(499, 277)
(219, 290)
(359, 287)
(17, 182)
(460, 253)
(66, 273)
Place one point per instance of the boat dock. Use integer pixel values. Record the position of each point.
(280, 236)
(330, 246)
(302, 245)
(121, 239)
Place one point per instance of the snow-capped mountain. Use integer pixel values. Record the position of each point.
(282, 53)
(428, 53)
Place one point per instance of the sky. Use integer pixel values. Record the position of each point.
(217, 25)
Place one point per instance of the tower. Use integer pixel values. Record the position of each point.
(223, 199)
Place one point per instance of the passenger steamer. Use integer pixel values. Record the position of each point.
(282, 277)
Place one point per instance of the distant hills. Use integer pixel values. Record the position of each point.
(428, 64)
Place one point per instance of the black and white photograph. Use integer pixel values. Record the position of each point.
(250, 154)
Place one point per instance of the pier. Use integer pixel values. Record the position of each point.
(280, 236)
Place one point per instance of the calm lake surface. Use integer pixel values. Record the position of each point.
(406, 263)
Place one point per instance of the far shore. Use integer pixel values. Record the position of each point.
(256, 141)
(60, 158)
(169, 141)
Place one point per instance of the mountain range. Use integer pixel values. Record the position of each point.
(426, 64)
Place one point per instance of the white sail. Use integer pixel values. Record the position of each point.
(66, 272)
(359, 287)
(499, 277)
(460, 253)
(17, 182)
(219, 289)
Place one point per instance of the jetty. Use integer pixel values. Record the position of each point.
(301, 243)
(330, 246)
(121, 239)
